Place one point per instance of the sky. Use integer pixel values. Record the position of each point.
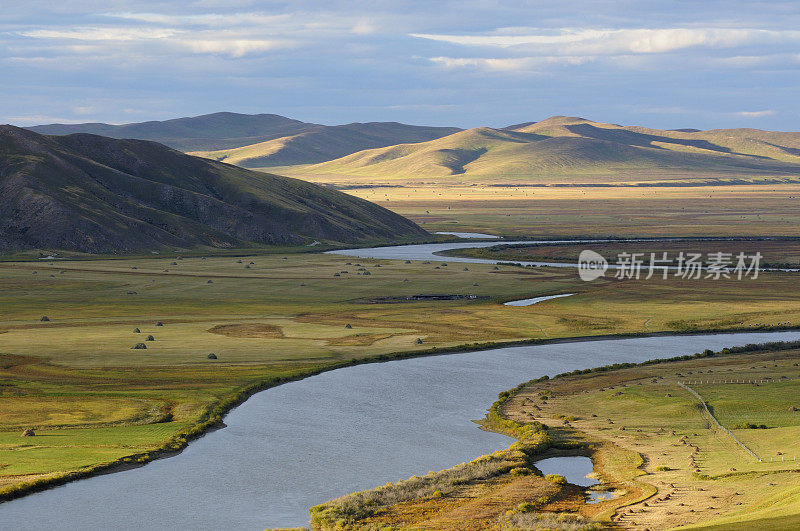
(665, 64)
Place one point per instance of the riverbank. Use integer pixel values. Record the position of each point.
(635, 470)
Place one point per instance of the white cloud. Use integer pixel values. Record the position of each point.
(231, 47)
(102, 34)
(616, 41)
(755, 114)
(209, 19)
(507, 64)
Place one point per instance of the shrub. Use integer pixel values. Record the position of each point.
(555, 478)
(662, 468)
(521, 471)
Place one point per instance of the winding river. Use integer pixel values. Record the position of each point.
(301, 443)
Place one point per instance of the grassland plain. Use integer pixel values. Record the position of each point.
(652, 445)
(93, 400)
(518, 211)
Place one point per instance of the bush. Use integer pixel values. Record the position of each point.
(555, 478)
(521, 471)
(662, 468)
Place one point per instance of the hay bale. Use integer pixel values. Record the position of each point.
(139, 346)
(137, 331)
(212, 356)
(348, 326)
(159, 323)
(29, 433)
(210, 282)
(174, 263)
(45, 319)
(238, 261)
(408, 261)
(150, 338)
(418, 341)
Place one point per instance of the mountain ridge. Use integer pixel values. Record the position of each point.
(95, 194)
(226, 131)
(561, 147)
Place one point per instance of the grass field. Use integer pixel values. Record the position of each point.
(76, 380)
(652, 445)
(629, 211)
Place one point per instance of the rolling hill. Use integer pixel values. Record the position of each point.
(94, 194)
(326, 143)
(264, 139)
(568, 150)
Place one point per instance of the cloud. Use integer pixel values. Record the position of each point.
(231, 47)
(507, 64)
(755, 114)
(616, 41)
(102, 34)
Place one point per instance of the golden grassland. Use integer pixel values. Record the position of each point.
(622, 211)
(652, 445)
(92, 399)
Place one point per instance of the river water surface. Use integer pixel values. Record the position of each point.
(302, 443)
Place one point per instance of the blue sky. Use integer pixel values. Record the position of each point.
(703, 64)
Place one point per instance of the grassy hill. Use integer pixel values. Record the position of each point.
(264, 139)
(95, 194)
(326, 143)
(567, 150)
(220, 130)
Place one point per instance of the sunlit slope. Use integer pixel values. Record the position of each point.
(326, 143)
(563, 149)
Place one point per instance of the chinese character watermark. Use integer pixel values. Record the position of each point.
(685, 265)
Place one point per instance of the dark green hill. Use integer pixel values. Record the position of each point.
(219, 130)
(95, 194)
(270, 139)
